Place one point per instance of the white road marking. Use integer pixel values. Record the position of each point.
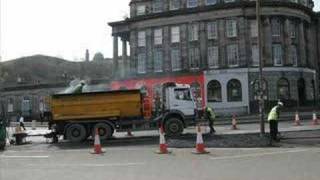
(257, 155)
(91, 165)
(23, 157)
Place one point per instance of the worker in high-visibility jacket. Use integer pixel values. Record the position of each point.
(210, 116)
(273, 121)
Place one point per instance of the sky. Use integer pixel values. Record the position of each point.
(61, 28)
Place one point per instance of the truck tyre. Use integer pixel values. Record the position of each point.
(173, 127)
(76, 133)
(104, 129)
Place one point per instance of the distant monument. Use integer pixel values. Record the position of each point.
(98, 57)
(87, 56)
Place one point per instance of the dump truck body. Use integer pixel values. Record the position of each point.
(99, 105)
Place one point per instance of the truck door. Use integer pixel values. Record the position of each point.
(182, 100)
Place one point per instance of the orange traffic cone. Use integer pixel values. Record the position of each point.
(200, 147)
(163, 147)
(314, 119)
(97, 145)
(129, 133)
(234, 123)
(297, 120)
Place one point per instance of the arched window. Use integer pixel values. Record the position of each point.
(234, 90)
(283, 89)
(214, 91)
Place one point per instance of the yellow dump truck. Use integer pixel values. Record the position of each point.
(76, 116)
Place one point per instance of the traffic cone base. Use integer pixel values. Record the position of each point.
(163, 147)
(297, 120)
(315, 120)
(101, 151)
(234, 123)
(200, 147)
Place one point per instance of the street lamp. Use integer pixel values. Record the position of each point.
(260, 55)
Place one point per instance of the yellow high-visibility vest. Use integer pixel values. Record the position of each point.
(211, 113)
(273, 115)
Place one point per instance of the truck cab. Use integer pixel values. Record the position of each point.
(179, 108)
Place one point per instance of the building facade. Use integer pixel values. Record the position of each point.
(218, 39)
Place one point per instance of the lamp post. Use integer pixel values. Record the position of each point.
(260, 43)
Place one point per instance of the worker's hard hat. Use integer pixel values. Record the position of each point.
(280, 103)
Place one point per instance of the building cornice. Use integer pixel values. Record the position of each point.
(241, 4)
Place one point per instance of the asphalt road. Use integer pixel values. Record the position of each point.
(141, 163)
(297, 158)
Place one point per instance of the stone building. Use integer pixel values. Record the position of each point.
(218, 40)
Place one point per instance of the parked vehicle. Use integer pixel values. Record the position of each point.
(76, 116)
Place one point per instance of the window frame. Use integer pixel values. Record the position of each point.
(176, 64)
(211, 87)
(141, 38)
(189, 5)
(274, 59)
(193, 32)
(158, 60)
(172, 4)
(175, 34)
(230, 87)
(214, 57)
(235, 53)
(157, 6)
(141, 12)
(212, 30)
(211, 3)
(231, 28)
(255, 48)
(276, 27)
(194, 58)
(141, 67)
(253, 28)
(158, 36)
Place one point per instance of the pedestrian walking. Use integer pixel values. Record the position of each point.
(211, 117)
(21, 121)
(273, 118)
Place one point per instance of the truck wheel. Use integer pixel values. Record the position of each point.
(76, 133)
(105, 130)
(173, 127)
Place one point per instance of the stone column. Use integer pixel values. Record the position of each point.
(203, 46)
(115, 56)
(124, 68)
(267, 42)
(287, 43)
(302, 45)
